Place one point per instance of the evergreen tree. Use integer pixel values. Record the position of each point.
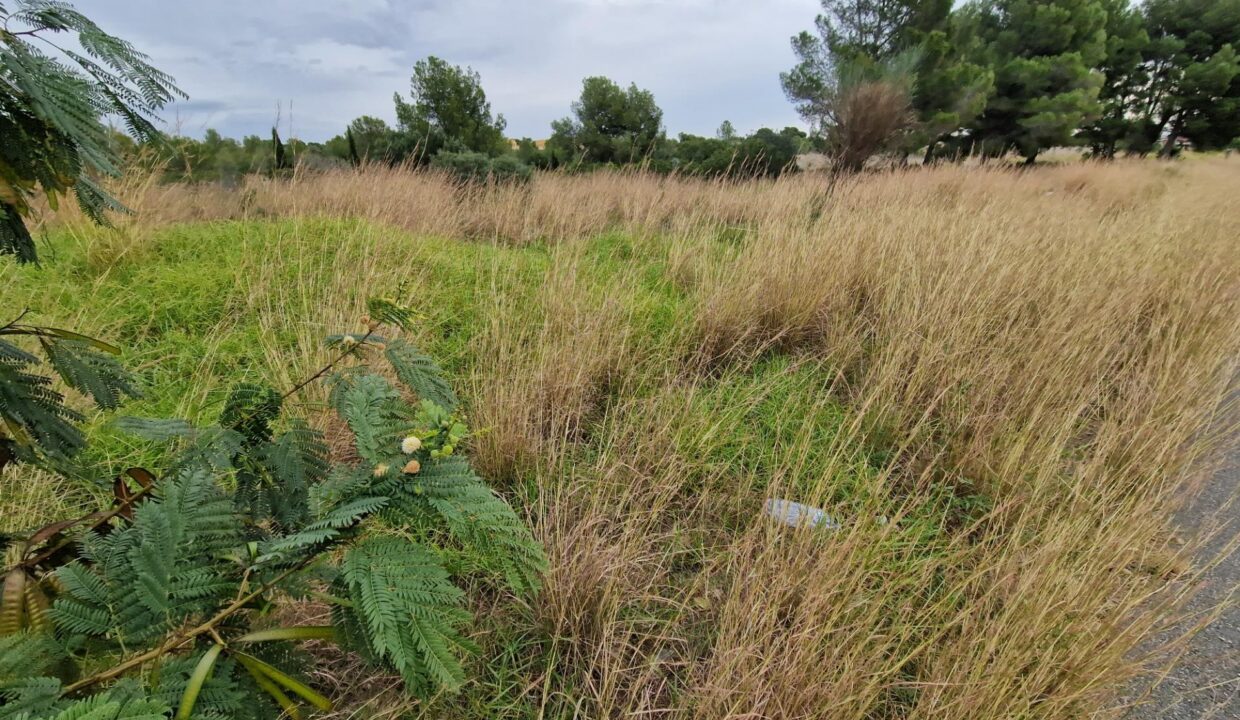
(950, 92)
(52, 112)
(876, 29)
(1193, 88)
(609, 124)
(866, 55)
(1125, 76)
(1043, 53)
(369, 139)
(449, 110)
(858, 34)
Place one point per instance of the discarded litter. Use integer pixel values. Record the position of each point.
(794, 514)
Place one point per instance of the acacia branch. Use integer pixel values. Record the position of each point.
(100, 519)
(181, 638)
(14, 321)
(326, 368)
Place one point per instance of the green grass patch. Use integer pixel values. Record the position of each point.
(202, 307)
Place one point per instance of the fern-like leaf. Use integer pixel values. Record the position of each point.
(421, 374)
(408, 610)
(475, 516)
(288, 549)
(375, 413)
(29, 697)
(294, 462)
(27, 654)
(153, 574)
(15, 239)
(157, 429)
(220, 696)
(52, 110)
(90, 372)
(250, 410)
(33, 413)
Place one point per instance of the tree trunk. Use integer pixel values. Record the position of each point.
(1168, 148)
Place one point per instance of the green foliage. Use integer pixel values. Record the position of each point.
(856, 76)
(472, 167)
(609, 125)
(41, 702)
(1043, 53)
(999, 76)
(1191, 73)
(1125, 74)
(766, 153)
(848, 29)
(245, 511)
(420, 372)
(375, 412)
(135, 584)
(366, 140)
(89, 372)
(52, 110)
(34, 420)
(475, 516)
(529, 153)
(449, 111)
(950, 91)
(279, 158)
(354, 157)
(407, 610)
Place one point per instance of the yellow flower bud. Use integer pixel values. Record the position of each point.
(381, 470)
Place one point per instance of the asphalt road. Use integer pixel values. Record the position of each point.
(1205, 683)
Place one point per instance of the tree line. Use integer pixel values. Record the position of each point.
(447, 122)
(994, 77)
(894, 78)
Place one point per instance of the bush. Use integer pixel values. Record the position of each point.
(182, 574)
(866, 117)
(472, 167)
(766, 153)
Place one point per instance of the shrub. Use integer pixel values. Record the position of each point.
(472, 167)
(867, 115)
(181, 574)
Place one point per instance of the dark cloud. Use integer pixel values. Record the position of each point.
(324, 62)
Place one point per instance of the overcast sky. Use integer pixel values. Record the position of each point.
(329, 61)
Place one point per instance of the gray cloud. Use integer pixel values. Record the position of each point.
(324, 62)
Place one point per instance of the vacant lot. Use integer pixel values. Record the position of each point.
(1001, 384)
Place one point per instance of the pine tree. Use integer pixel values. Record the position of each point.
(52, 111)
(877, 76)
(449, 110)
(1193, 66)
(1124, 75)
(1043, 53)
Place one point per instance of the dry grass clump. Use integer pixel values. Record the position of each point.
(546, 373)
(1001, 383)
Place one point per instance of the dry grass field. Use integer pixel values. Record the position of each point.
(1000, 383)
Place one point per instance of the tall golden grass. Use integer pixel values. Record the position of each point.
(1060, 341)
